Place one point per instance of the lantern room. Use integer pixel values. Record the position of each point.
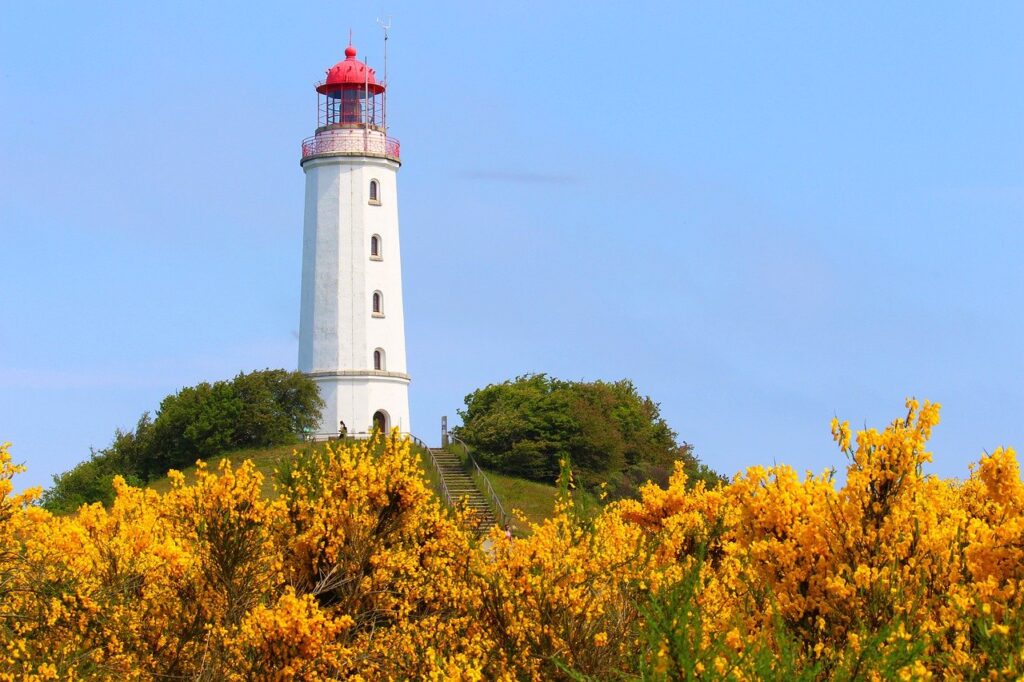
(350, 97)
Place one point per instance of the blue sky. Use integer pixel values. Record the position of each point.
(763, 214)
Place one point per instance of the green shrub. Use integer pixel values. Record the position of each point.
(259, 409)
(612, 434)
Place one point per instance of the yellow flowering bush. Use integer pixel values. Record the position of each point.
(353, 570)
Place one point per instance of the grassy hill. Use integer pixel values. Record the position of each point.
(535, 500)
(265, 459)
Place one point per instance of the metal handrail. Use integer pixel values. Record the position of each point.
(494, 496)
(440, 477)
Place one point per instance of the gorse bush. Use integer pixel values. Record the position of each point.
(259, 409)
(610, 433)
(353, 571)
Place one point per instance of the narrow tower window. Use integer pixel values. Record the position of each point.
(374, 192)
(378, 360)
(378, 304)
(375, 253)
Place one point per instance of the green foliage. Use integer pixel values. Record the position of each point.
(674, 629)
(90, 481)
(259, 409)
(198, 419)
(93, 479)
(276, 406)
(611, 433)
(1000, 638)
(678, 643)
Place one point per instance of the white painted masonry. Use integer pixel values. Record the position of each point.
(338, 331)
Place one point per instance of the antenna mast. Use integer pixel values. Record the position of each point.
(385, 25)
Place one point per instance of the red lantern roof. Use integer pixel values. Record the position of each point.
(350, 74)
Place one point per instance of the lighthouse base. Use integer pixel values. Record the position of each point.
(359, 402)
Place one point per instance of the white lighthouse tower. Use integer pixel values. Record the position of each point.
(351, 326)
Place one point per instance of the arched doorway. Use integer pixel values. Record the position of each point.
(380, 421)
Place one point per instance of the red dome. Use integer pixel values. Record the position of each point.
(350, 74)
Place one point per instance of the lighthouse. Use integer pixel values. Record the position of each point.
(351, 322)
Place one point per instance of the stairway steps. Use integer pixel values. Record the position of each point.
(463, 490)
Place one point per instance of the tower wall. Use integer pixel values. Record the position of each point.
(338, 331)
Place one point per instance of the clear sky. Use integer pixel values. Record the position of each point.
(764, 214)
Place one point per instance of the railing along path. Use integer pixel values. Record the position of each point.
(502, 516)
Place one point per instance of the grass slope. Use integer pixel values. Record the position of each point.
(266, 460)
(536, 500)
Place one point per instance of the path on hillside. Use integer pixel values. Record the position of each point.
(461, 486)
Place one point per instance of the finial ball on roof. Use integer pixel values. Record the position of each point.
(350, 52)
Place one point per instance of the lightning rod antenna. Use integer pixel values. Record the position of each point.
(384, 114)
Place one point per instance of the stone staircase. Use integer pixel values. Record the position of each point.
(461, 486)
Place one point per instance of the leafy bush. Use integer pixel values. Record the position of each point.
(90, 481)
(93, 479)
(609, 432)
(259, 409)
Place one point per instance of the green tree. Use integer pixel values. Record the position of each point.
(258, 409)
(93, 479)
(610, 433)
(276, 406)
(197, 421)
